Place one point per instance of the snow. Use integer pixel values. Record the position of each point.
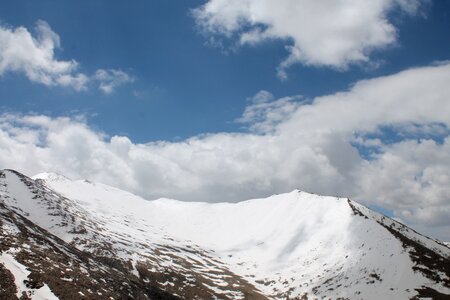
(409, 233)
(20, 274)
(298, 241)
(24, 201)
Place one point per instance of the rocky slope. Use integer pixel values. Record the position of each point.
(77, 239)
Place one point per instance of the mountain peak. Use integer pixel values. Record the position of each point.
(51, 176)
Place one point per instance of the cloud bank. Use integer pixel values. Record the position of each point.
(317, 33)
(34, 57)
(339, 144)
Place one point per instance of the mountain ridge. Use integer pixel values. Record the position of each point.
(289, 245)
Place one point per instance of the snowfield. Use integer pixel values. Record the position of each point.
(289, 245)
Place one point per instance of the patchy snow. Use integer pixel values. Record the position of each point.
(20, 274)
(23, 200)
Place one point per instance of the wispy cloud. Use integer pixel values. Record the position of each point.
(264, 112)
(316, 32)
(111, 79)
(35, 57)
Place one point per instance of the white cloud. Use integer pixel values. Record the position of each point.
(412, 178)
(264, 113)
(111, 79)
(317, 32)
(34, 57)
(306, 145)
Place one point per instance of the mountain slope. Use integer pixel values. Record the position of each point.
(120, 241)
(289, 245)
(37, 264)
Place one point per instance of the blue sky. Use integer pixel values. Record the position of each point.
(226, 100)
(183, 86)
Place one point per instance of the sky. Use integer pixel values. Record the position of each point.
(220, 100)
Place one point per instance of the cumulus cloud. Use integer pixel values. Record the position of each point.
(412, 179)
(314, 145)
(318, 33)
(34, 57)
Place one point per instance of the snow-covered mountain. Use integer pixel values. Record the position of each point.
(78, 239)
